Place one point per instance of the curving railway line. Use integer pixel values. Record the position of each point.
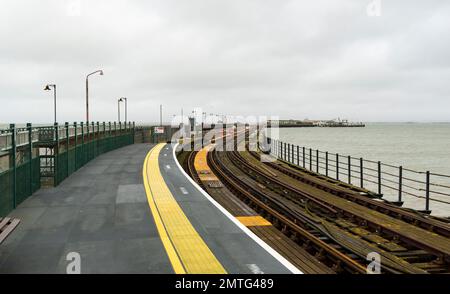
(333, 225)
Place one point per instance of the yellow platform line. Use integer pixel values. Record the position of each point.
(187, 251)
(253, 221)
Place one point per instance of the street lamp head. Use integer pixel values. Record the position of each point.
(47, 87)
(101, 72)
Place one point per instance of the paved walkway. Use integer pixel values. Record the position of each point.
(100, 211)
(119, 223)
(232, 250)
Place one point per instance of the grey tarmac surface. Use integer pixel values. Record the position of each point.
(100, 211)
(238, 253)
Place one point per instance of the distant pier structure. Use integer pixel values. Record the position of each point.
(335, 123)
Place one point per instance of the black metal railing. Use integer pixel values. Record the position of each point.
(393, 182)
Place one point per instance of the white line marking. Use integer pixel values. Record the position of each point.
(184, 191)
(165, 154)
(168, 166)
(255, 238)
(255, 269)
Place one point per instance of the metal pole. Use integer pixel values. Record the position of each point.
(326, 163)
(30, 156)
(75, 146)
(304, 159)
(310, 159)
(400, 183)
(361, 172)
(379, 177)
(160, 115)
(118, 110)
(87, 98)
(56, 154)
(67, 146)
(317, 160)
(54, 98)
(289, 153)
(14, 164)
(427, 195)
(349, 169)
(126, 109)
(82, 144)
(337, 166)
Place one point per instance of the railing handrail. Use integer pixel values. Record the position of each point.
(384, 175)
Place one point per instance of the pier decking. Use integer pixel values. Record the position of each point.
(117, 224)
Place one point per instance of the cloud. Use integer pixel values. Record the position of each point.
(296, 59)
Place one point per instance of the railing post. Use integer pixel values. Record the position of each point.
(134, 130)
(337, 166)
(361, 172)
(120, 134)
(304, 159)
(317, 160)
(56, 155)
(88, 141)
(30, 156)
(67, 146)
(379, 177)
(98, 138)
(288, 152)
(349, 169)
(82, 143)
(285, 152)
(115, 136)
(427, 192)
(310, 159)
(109, 136)
(75, 141)
(298, 155)
(292, 151)
(94, 142)
(326, 163)
(14, 164)
(400, 183)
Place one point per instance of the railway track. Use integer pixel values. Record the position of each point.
(299, 214)
(436, 225)
(374, 221)
(297, 255)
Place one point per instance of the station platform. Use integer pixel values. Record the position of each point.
(133, 210)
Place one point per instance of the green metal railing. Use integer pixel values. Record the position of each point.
(23, 162)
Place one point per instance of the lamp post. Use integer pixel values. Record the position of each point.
(47, 88)
(123, 99)
(87, 91)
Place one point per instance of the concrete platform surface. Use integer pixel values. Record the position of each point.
(100, 211)
(107, 213)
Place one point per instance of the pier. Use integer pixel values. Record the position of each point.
(128, 200)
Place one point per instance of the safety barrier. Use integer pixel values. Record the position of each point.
(30, 154)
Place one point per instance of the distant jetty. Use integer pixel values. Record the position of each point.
(335, 123)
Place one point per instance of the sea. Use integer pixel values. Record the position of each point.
(416, 146)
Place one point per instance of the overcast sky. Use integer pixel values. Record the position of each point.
(316, 59)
